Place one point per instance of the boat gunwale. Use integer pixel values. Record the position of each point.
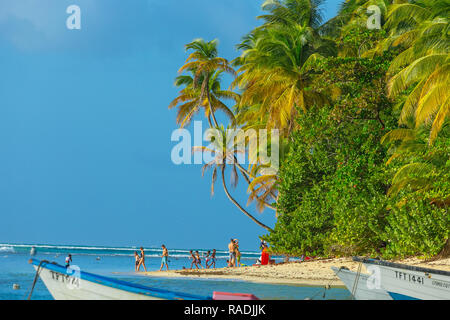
(400, 266)
(119, 284)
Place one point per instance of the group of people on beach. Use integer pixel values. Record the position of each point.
(234, 259)
(210, 259)
(140, 259)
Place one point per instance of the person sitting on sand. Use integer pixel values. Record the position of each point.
(142, 261)
(199, 261)
(137, 259)
(194, 259)
(165, 256)
(232, 252)
(237, 253)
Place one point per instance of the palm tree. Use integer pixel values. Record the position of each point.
(190, 99)
(305, 13)
(274, 74)
(263, 189)
(225, 149)
(421, 28)
(422, 165)
(349, 27)
(204, 61)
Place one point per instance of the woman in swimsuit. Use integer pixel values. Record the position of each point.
(142, 260)
(237, 253)
(207, 259)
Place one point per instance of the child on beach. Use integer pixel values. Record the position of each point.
(68, 260)
(137, 259)
(165, 256)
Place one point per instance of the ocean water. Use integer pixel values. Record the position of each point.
(119, 263)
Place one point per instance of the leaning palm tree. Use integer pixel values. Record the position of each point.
(190, 100)
(204, 60)
(223, 151)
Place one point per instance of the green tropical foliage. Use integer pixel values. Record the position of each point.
(363, 115)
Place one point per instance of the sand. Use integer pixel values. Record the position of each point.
(307, 273)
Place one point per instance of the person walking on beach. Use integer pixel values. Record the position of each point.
(137, 259)
(232, 252)
(213, 259)
(207, 259)
(194, 259)
(68, 260)
(142, 261)
(165, 256)
(199, 261)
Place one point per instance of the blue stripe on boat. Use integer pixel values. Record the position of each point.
(398, 296)
(122, 285)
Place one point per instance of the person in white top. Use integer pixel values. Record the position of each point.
(68, 260)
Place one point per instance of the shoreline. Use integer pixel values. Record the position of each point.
(306, 273)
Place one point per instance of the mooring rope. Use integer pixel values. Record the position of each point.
(355, 285)
(36, 277)
(327, 286)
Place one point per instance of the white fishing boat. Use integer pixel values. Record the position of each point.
(405, 282)
(70, 283)
(360, 285)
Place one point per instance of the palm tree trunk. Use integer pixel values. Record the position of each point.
(206, 88)
(445, 252)
(238, 205)
(244, 172)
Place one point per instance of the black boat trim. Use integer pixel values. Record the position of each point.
(401, 266)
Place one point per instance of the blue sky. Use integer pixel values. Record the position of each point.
(85, 130)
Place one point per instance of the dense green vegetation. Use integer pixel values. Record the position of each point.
(363, 115)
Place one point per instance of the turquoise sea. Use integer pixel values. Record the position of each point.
(118, 262)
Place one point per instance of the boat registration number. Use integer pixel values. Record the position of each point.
(64, 278)
(409, 277)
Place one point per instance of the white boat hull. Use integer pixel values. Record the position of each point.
(64, 287)
(363, 289)
(73, 284)
(404, 284)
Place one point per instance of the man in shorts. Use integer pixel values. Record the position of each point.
(165, 256)
(232, 251)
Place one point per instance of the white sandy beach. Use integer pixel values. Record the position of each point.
(308, 273)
